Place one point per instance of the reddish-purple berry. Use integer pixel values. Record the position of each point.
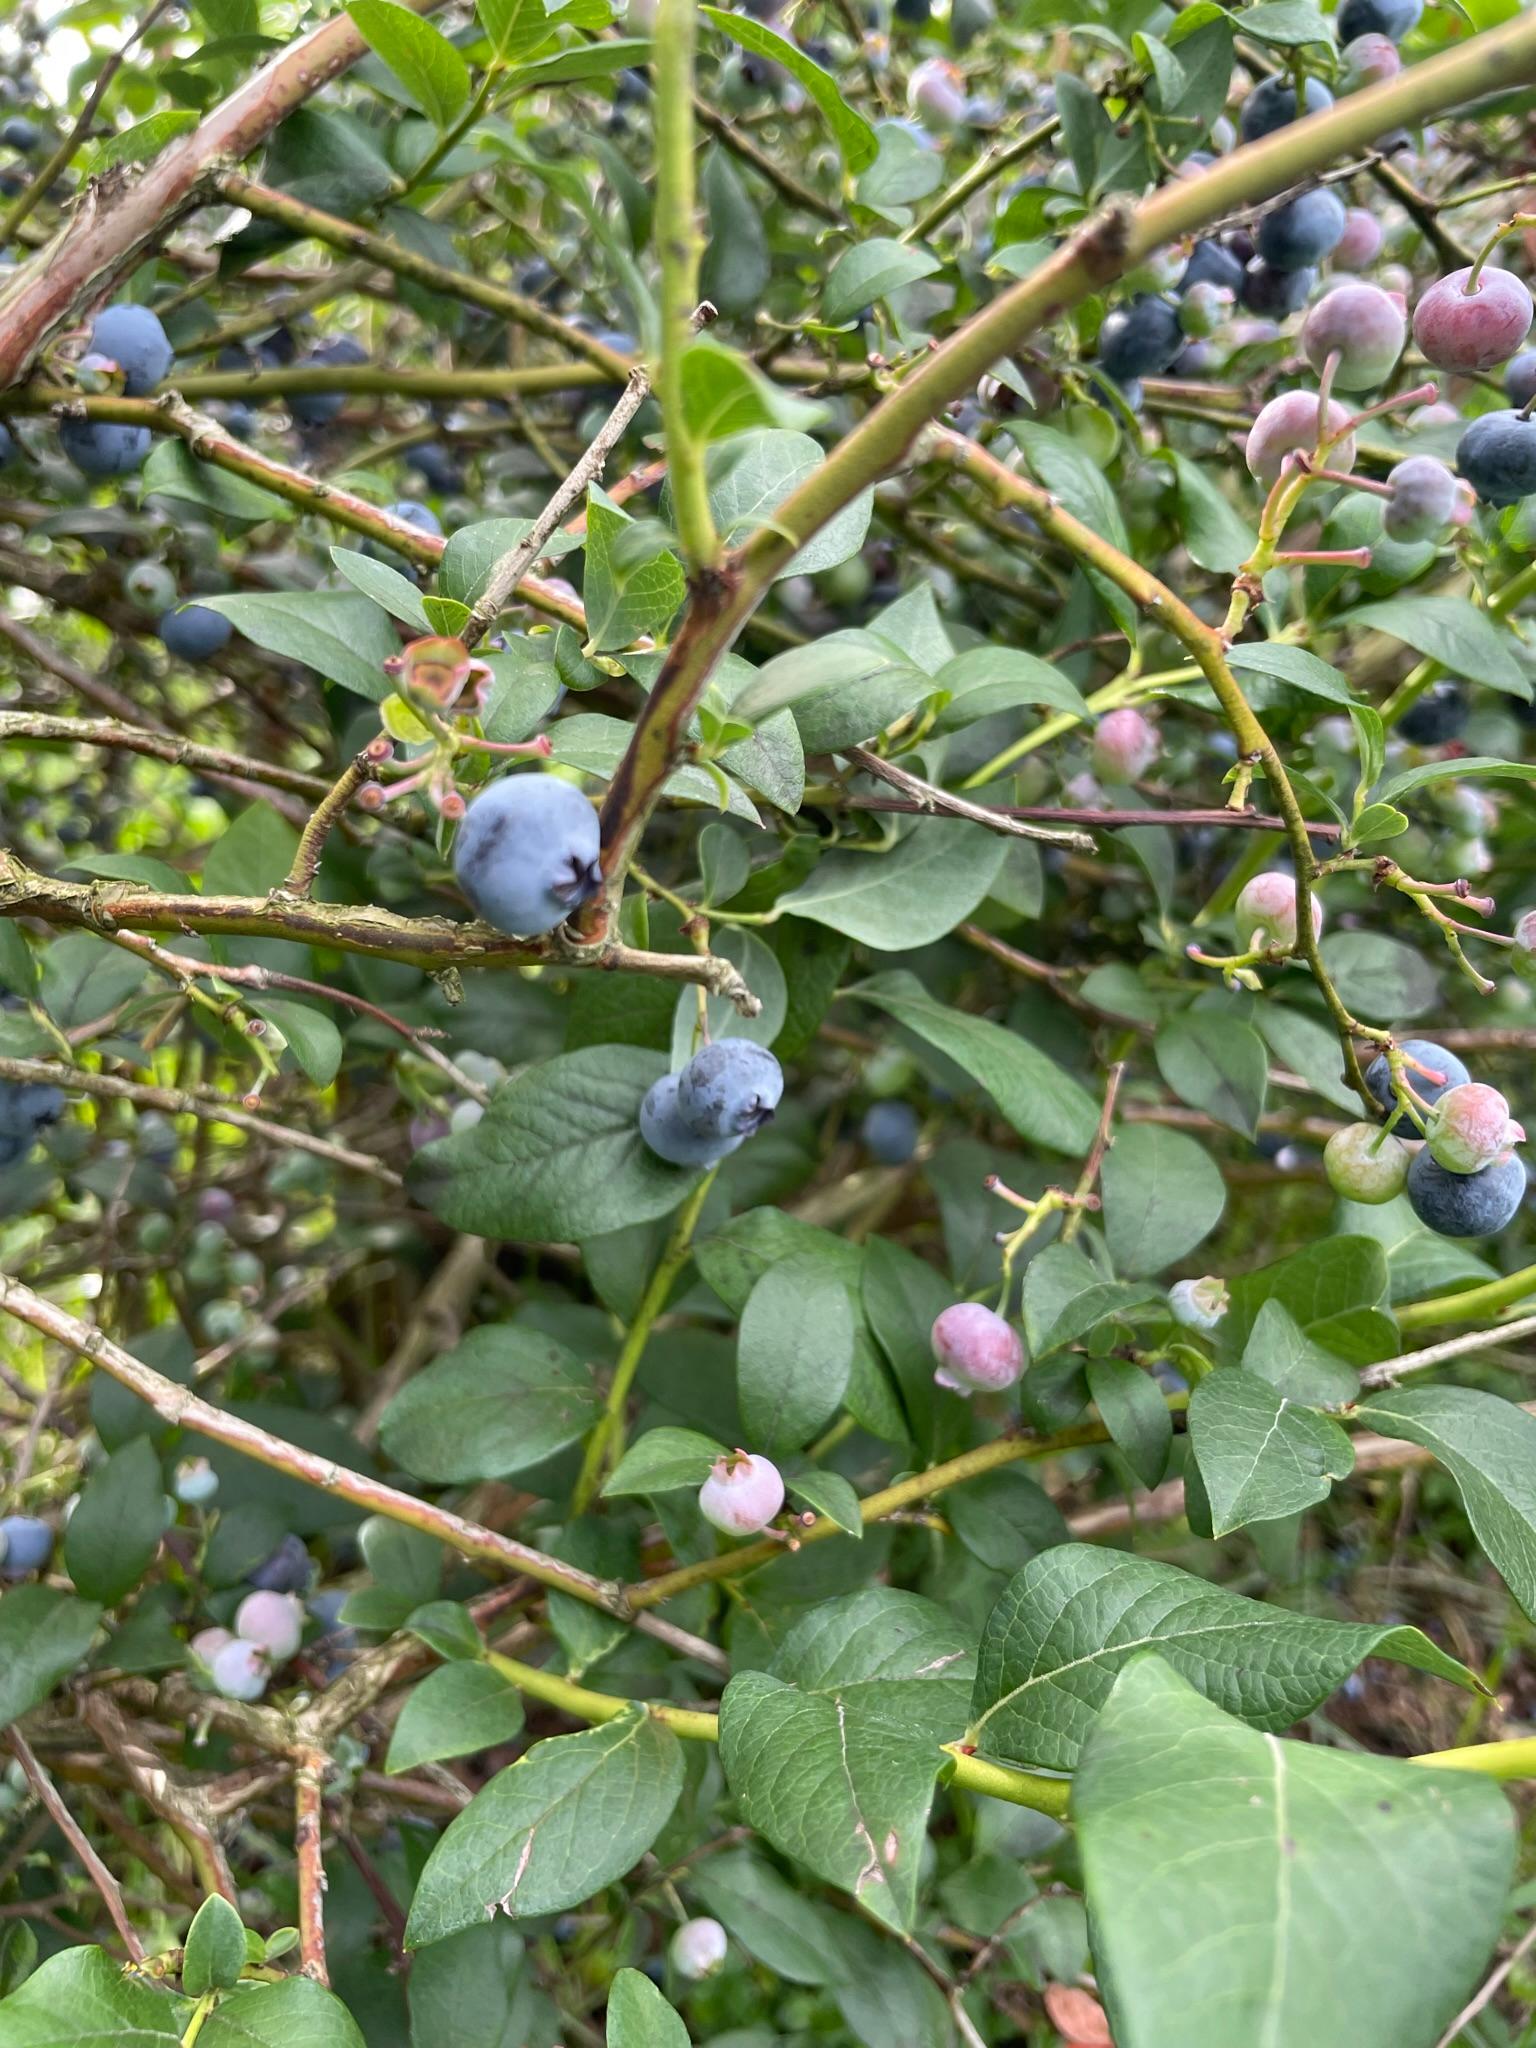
(1125, 744)
(1360, 325)
(978, 1353)
(1360, 244)
(1423, 500)
(1469, 331)
(1293, 423)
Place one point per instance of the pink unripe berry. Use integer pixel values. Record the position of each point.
(698, 1948)
(1363, 327)
(240, 1670)
(1365, 1164)
(937, 94)
(742, 1494)
(1468, 331)
(1469, 1126)
(272, 1621)
(208, 1642)
(1199, 1304)
(1436, 414)
(1266, 913)
(1125, 744)
(1291, 423)
(978, 1353)
(1369, 60)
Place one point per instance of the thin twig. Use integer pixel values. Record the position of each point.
(1091, 1165)
(1490, 1987)
(311, 848)
(70, 1829)
(308, 1831)
(928, 798)
(1389, 1371)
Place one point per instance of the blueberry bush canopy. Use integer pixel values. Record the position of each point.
(767, 929)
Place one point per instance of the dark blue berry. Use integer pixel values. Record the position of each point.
(1437, 716)
(193, 632)
(889, 1131)
(316, 408)
(1520, 377)
(1378, 1075)
(1303, 231)
(101, 448)
(1389, 18)
(1272, 104)
(1466, 1204)
(133, 337)
(1141, 339)
(526, 855)
(1275, 293)
(285, 1571)
(1497, 456)
(1213, 263)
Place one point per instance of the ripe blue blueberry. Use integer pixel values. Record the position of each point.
(1430, 1071)
(1466, 1204)
(889, 1131)
(1437, 716)
(669, 1137)
(1303, 231)
(285, 1571)
(729, 1089)
(435, 465)
(7, 447)
(526, 854)
(414, 513)
(1520, 377)
(26, 1544)
(102, 448)
(1273, 104)
(1274, 293)
(1389, 18)
(192, 632)
(133, 337)
(21, 135)
(1141, 339)
(1497, 456)
(317, 408)
(25, 1107)
(1212, 263)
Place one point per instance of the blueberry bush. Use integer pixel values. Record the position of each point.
(767, 928)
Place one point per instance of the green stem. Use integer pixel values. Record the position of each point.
(974, 1774)
(1471, 1304)
(1513, 1759)
(200, 2013)
(680, 246)
(982, 173)
(608, 1434)
(453, 135)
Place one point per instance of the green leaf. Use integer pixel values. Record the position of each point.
(340, 634)
(625, 599)
(829, 1494)
(1380, 977)
(453, 1712)
(852, 133)
(902, 1296)
(1282, 1353)
(639, 2017)
(517, 28)
(138, 144)
(1308, 1047)
(1293, 665)
(1321, 1281)
(420, 56)
(1069, 473)
(664, 1459)
(447, 1628)
(502, 1399)
(18, 966)
(1375, 823)
(478, 1987)
(832, 1752)
(1450, 630)
(1286, 23)
(870, 270)
(1134, 1413)
(473, 551)
(1041, 1102)
(791, 1935)
(570, 1817)
(737, 265)
(1005, 1518)
(985, 680)
(396, 593)
(117, 1524)
(173, 471)
(297, 2013)
(252, 854)
(793, 1355)
(1065, 1627)
(79, 1998)
(1488, 1445)
(1162, 1193)
(558, 1155)
(724, 394)
(1217, 1063)
(1260, 1456)
(82, 978)
(1216, 535)
(1460, 768)
(751, 475)
(1244, 1889)
(312, 1038)
(214, 1952)
(44, 1638)
(582, 60)
(893, 902)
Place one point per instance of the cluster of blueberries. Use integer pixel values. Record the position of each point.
(268, 1630)
(725, 1094)
(1464, 1179)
